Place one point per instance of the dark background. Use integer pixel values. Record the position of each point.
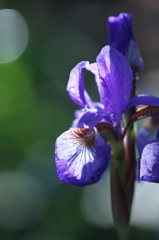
(35, 109)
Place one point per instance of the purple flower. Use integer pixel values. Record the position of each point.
(81, 156)
(149, 162)
(121, 37)
(83, 152)
(148, 148)
(144, 137)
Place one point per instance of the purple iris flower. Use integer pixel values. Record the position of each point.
(121, 37)
(148, 148)
(144, 136)
(149, 162)
(83, 152)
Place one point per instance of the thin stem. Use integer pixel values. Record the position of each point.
(120, 207)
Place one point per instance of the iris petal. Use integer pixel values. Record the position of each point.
(149, 163)
(75, 86)
(81, 156)
(120, 32)
(116, 83)
(91, 118)
(121, 37)
(143, 99)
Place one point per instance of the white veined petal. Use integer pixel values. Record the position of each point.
(81, 156)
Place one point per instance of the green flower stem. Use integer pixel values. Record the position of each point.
(123, 170)
(130, 160)
(120, 209)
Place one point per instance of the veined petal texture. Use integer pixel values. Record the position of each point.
(116, 83)
(81, 156)
(149, 163)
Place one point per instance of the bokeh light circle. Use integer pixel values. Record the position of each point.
(14, 35)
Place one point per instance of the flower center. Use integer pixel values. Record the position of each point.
(84, 136)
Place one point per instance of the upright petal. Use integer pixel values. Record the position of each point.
(149, 163)
(75, 86)
(121, 37)
(81, 156)
(116, 83)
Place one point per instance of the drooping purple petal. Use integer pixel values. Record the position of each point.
(143, 99)
(81, 156)
(121, 37)
(149, 163)
(116, 83)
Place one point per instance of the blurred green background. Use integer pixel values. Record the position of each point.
(40, 42)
